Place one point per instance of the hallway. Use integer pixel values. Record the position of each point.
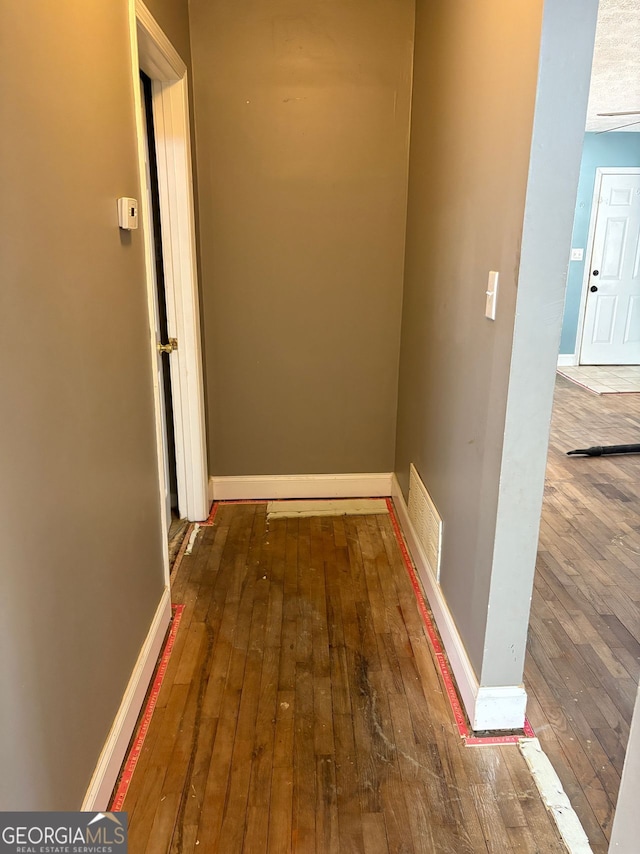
(302, 709)
(583, 662)
(333, 226)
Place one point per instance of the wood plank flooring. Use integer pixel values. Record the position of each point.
(302, 710)
(583, 661)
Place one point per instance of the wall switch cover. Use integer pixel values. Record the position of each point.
(577, 254)
(492, 295)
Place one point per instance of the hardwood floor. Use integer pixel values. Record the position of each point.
(302, 709)
(583, 662)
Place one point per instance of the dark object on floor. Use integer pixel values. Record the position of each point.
(602, 450)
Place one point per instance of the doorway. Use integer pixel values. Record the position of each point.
(611, 298)
(161, 102)
(151, 204)
(164, 343)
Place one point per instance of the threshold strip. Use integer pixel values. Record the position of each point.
(294, 502)
(554, 797)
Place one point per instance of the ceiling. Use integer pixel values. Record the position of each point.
(615, 78)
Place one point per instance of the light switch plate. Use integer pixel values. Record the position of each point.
(577, 254)
(492, 295)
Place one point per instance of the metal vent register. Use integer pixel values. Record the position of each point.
(426, 521)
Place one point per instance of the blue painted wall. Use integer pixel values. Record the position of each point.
(600, 149)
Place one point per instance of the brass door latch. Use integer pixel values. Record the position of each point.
(169, 347)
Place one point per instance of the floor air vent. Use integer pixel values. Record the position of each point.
(426, 521)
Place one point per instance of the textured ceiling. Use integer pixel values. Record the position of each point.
(615, 79)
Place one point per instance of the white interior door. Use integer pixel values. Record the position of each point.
(611, 334)
(147, 205)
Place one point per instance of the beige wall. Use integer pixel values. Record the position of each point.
(302, 131)
(473, 101)
(173, 18)
(81, 551)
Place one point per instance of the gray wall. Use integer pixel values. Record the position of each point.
(302, 133)
(79, 509)
(566, 54)
(473, 101)
(475, 83)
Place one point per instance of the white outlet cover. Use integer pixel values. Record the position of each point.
(577, 254)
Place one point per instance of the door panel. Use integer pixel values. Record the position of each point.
(613, 249)
(632, 332)
(147, 207)
(603, 322)
(611, 334)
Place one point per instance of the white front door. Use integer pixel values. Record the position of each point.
(611, 334)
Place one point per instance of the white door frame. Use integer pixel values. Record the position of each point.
(152, 52)
(601, 171)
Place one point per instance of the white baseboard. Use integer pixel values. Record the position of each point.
(566, 360)
(301, 486)
(113, 753)
(488, 708)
